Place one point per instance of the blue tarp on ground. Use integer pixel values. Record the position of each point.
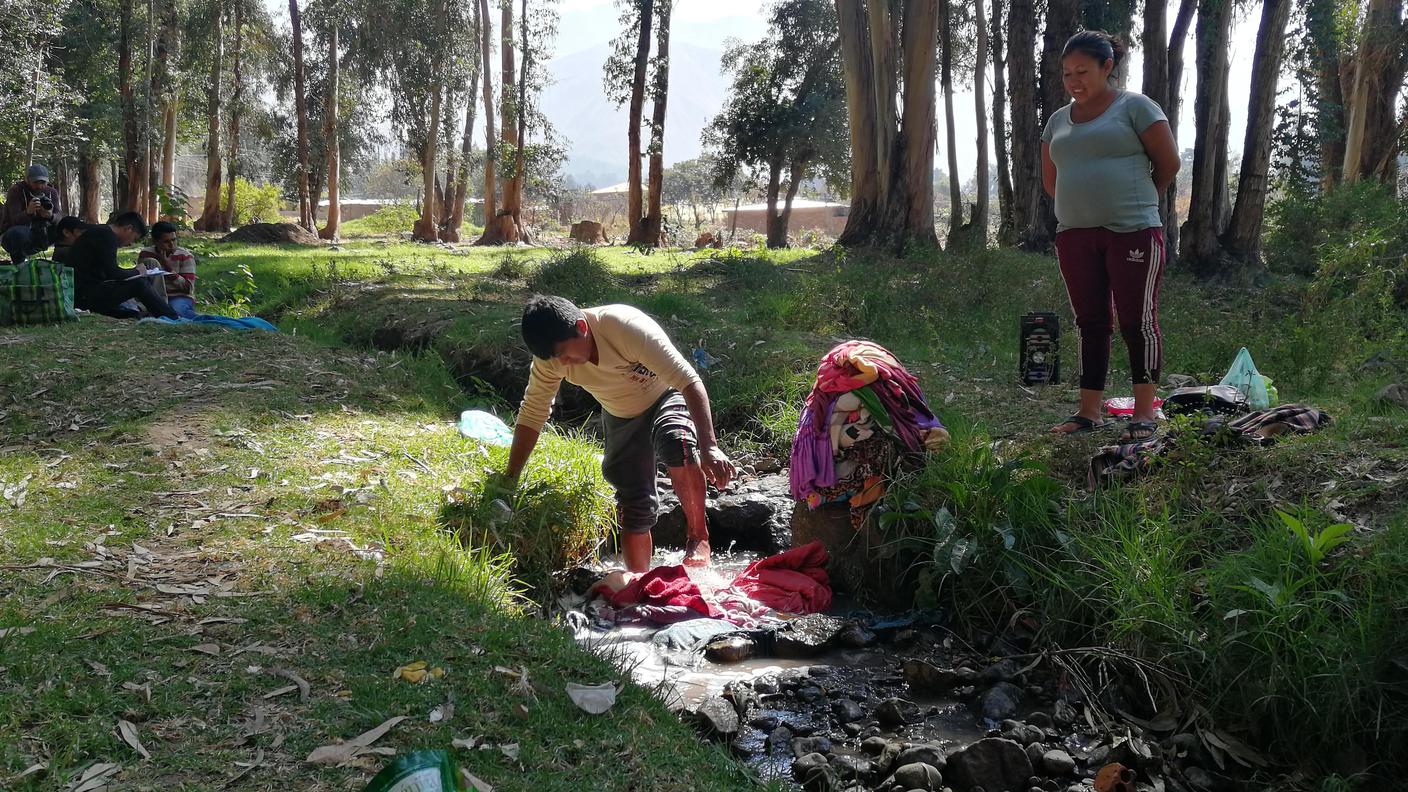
(244, 323)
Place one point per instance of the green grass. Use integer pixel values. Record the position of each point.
(998, 526)
(161, 457)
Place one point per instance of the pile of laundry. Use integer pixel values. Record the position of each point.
(863, 411)
(1262, 427)
(790, 583)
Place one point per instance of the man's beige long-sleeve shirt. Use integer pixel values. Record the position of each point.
(636, 364)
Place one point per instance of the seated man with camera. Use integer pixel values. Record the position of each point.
(29, 211)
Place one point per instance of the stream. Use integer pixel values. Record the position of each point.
(886, 701)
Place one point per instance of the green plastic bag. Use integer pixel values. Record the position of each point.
(422, 771)
(36, 291)
(1244, 377)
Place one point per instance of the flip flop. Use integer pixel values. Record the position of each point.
(1138, 430)
(1083, 425)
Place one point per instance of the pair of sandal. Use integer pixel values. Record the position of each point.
(1133, 432)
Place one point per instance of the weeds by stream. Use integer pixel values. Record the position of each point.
(1228, 570)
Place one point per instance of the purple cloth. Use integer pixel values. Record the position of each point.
(812, 463)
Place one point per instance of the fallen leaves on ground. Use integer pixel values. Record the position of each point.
(347, 751)
(128, 732)
(95, 778)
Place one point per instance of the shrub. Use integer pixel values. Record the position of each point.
(389, 219)
(254, 203)
(580, 275)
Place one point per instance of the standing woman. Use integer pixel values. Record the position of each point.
(1106, 158)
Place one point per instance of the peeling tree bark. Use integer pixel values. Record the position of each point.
(1173, 110)
(999, 126)
(486, 32)
(210, 218)
(235, 101)
(892, 153)
(1199, 248)
(332, 132)
(635, 198)
(505, 225)
(1243, 238)
(651, 225)
(300, 101)
(1026, 120)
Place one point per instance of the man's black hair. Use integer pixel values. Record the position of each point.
(132, 220)
(548, 320)
(162, 228)
(66, 223)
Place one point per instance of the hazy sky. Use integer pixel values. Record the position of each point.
(707, 23)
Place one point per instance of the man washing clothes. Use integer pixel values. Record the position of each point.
(654, 407)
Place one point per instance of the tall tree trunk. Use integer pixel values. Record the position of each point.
(651, 224)
(955, 191)
(147, 197)
(452, 229)
(168, 49)
(1199, 247)
(130, 154)
(210, 216)
(491, 156)
(979, 221)
(1155, 36)
(776, 238)
(1243, 236)
(300, 109)
(1378, 68)
(1177, 39)
(1062, 20)
(505, 225)
(635, 200)
(892, 153)
(999, 128)
(61, 183)
(1329, 109)
(425, 229)
(236, 100)
(794, 182)
(332, 138)
(1026, 119)
(32, 129)
(89, 188)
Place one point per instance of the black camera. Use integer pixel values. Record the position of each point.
(45, 203)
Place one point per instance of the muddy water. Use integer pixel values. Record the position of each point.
(684, 680)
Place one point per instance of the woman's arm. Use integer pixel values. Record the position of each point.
(1163, 153)
(1048, 170)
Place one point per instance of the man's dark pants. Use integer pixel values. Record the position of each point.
(20, 242)
(634, 446)
(108, 298)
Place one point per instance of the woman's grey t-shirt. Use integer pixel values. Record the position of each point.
(1102, 171)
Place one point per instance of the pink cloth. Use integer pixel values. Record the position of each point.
(668, 585)
(790, 582)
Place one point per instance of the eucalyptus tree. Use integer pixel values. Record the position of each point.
(785, 110)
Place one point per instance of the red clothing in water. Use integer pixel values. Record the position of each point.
(791, 582)
(663, 586)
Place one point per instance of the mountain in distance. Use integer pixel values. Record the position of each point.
(595, 130)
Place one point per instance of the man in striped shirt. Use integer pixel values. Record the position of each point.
(179, 262)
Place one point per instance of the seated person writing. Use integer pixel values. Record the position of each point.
(163, 254)
(100, 285)
(30, 208)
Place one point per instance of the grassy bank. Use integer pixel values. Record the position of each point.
(197, 524)
(1226, 575)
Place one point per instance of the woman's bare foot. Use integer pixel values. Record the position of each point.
(696, 553)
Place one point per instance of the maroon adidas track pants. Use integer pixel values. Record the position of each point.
(1109, 273)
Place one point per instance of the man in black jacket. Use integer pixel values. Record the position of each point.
(100, 285)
